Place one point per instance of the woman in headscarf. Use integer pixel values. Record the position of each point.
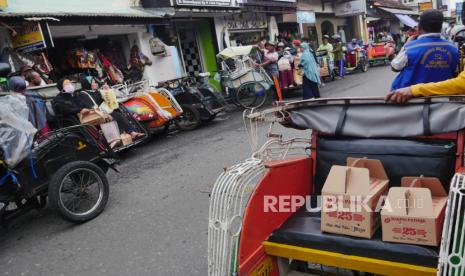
(311, 77)
(68, 102)
(92, 98)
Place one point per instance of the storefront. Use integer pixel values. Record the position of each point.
(192, 27)
(354, 13)
(246, 28)
(259, 20)
(65, 47)
(394, 19)
(325, 23)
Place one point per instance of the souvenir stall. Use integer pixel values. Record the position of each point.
(114, 44)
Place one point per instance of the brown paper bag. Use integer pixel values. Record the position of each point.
(95, 117)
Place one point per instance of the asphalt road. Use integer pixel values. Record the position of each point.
(156, 219)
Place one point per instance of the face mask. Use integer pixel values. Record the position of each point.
(68, 88)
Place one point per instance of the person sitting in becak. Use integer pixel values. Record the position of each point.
(427, 57)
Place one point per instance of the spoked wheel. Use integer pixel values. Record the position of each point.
(364, 65)
(190, 119)
(79, 191)
(251, 95)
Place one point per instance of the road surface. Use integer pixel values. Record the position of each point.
(156, 219)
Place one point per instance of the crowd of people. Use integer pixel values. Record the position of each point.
(67, 104)
(294, 63)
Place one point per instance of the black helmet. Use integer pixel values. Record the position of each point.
(5, 69)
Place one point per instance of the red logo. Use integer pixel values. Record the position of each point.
(387, 220)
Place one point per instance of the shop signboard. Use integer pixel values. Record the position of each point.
(32, 36)
(306, 17)
(247, 21)
(350, 8)
(207, 3)
(425, 6)
(3, 3)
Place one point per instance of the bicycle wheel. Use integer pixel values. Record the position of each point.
(251, 95)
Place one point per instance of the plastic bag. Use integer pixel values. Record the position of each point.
(16, 132)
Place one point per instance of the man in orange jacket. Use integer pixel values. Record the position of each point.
(455, 86)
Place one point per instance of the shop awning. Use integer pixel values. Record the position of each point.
(399, 11)
(407, 20)
(369, 18)
(81, 8)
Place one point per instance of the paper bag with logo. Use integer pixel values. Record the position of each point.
(414, 213)
(351, 196)
(94, 117)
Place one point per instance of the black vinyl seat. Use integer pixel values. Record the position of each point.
(303, 230)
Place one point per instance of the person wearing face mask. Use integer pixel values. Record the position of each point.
(68, 103)
(90, 97)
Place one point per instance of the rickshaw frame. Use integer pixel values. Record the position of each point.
(254, 252)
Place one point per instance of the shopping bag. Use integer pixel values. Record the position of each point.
(94, 117)
(111, 131)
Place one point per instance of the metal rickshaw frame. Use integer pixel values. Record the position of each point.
(240, 230)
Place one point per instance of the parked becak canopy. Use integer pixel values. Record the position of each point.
(235, 52)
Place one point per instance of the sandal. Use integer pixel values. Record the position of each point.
(135, 135)
(115, 143)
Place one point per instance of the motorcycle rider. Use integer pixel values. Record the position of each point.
(428, 57)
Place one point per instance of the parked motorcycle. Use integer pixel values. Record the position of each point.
(199, 105)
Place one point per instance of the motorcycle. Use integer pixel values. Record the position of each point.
(155, 109)
(199, 103)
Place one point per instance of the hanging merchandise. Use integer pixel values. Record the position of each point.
(139, 59)
(82, 59)
(114, 73)
(113, 51)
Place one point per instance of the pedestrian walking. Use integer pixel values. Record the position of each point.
(311, 75)
(339, 56)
